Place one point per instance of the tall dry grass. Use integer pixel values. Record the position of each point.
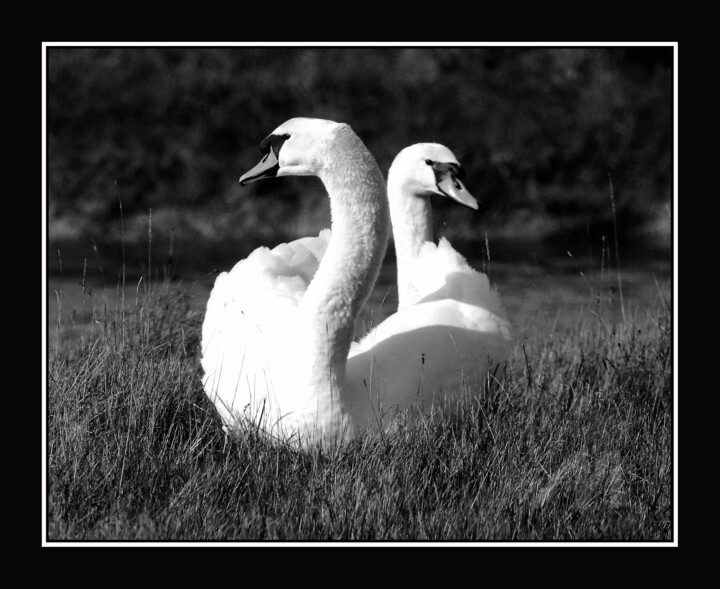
(574, 442)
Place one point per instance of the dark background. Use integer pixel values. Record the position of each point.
(147, 140)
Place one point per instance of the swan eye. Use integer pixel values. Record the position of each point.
(286, 136)
(429, 162)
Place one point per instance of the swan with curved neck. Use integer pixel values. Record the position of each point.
(275, 347)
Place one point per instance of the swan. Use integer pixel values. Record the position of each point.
(278, 326)
(450, 329)
(417, 173)
(277, 350)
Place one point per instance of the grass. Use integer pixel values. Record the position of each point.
(573, 443)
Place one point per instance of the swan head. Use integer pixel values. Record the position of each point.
(426, 169)
(299, 147)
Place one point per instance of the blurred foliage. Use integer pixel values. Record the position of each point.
(540, 130)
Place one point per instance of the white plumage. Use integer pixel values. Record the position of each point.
(450, 328)
(277, 350)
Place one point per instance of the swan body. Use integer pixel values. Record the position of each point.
(450, 328)
(277, 349)
(275, 338)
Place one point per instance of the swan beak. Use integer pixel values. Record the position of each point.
(267, 168)
(455, 189)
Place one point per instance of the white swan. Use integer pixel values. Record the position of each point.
(275, 338)
(417, 173)
(276, 334)
(450, 329)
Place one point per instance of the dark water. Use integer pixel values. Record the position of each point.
(539, 281)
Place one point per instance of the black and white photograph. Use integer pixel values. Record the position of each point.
(359, 294)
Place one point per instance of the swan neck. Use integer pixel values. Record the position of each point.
(360, 232)
(347, 273)
(412, 226)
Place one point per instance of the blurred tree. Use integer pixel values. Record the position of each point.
(538, 128)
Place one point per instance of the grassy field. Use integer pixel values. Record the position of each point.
(574, 442)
